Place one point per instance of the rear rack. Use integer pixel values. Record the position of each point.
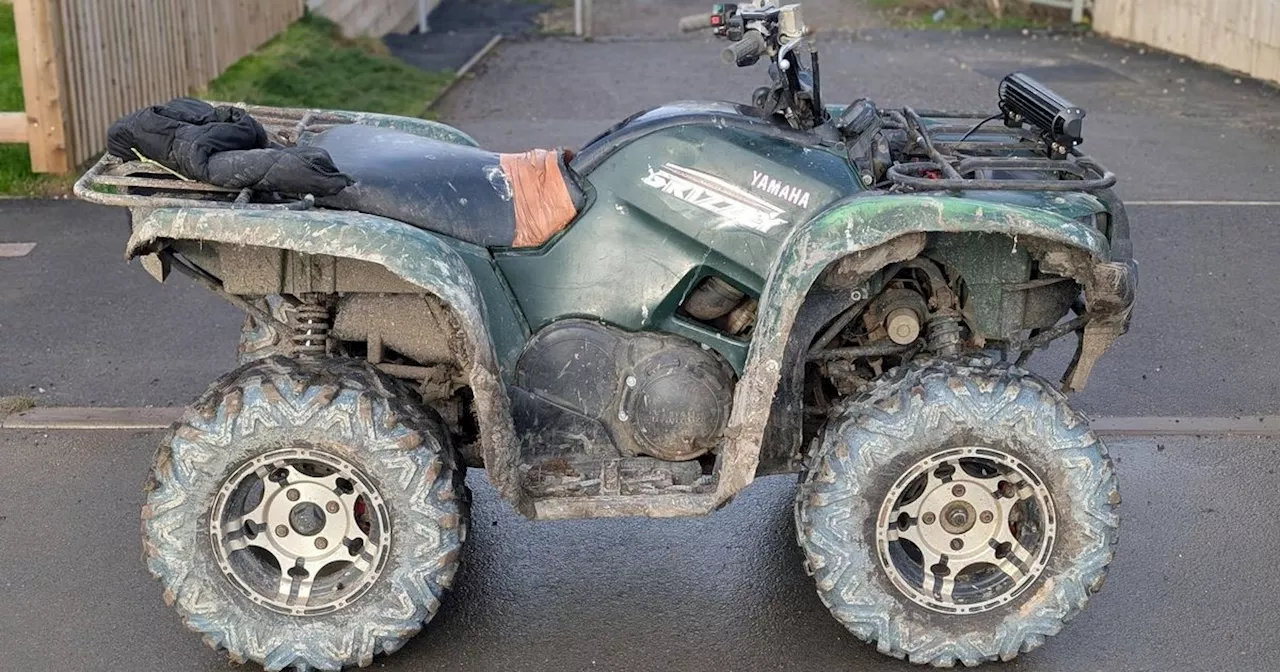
(146, 184)
(139, 184)
(957, 160)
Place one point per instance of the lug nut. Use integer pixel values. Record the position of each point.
(292, 495)
(282, 530)
(321, 543)
(957, 544)
(986, 517)
(958, 490)
(928, 518)
(331, 507)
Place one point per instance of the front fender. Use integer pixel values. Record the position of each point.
(414, 255)
(874, 231)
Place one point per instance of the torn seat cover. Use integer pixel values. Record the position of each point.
(473, 195)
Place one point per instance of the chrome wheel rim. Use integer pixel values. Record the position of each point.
(966, 530)
(300, 531)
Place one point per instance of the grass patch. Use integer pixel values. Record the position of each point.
(308, 65)
(312, 65)
(969, 14)
(15, 405)
(10, 76)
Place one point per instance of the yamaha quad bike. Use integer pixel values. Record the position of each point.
(705, 294)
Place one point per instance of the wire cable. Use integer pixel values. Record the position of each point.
(978, 125)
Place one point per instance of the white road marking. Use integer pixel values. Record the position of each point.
(65, 417)
(14, 250)
(1259, 204)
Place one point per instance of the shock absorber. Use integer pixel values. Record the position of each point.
(311, 323)
(945, 328)
(944, 333)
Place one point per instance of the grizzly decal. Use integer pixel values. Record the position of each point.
(736, 206)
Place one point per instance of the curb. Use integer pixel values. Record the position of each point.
(64, 417)
(464, 70)
(1263, 425)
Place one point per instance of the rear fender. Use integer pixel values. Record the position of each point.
(416, 256)
(866, 234)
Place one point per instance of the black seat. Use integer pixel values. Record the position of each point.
(462, 192)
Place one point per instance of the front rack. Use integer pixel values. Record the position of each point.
(957, 160)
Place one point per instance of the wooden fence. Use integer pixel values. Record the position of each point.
(87, 62)
(1242, 35)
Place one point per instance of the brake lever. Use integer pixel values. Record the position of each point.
(786, 49)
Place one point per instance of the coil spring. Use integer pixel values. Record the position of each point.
(944, 333)
(310, 322)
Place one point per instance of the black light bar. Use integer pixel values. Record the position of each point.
(1024, 100)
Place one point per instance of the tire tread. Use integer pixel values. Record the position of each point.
(311, 389)
(859, 441)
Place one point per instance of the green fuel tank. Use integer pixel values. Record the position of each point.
(678, 193)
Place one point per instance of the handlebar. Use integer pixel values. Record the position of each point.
(696, 22)
(746, 51)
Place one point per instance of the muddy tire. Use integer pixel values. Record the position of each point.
(957, 513)
(259, 340)
(305, 515)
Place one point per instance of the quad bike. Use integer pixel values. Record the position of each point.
(704, 294)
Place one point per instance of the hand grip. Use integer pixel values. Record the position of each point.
(696, 22)
(746, 51)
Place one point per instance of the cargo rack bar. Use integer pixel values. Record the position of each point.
(954, 145)
(146, 184)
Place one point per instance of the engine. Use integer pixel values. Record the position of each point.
(654, 394)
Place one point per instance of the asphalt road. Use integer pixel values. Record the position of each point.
(79, 324)
(1192, 587)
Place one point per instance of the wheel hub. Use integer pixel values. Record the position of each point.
(958, 517)
(965, 530)
(306, 519)
(300, 531)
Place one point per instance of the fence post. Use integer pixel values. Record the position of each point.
(44, 83)
(1077, 11)
(582, 19)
